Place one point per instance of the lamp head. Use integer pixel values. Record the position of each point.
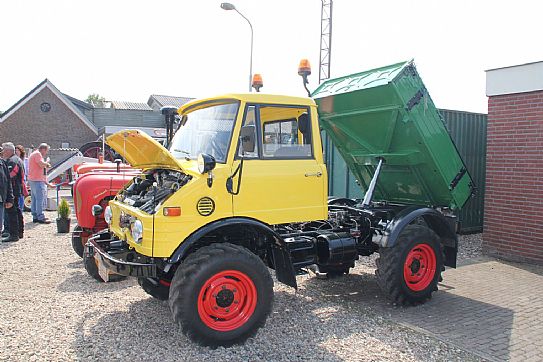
(227, 6)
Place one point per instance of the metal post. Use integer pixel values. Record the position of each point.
(371, 188)
(251, 60)
(326, 39)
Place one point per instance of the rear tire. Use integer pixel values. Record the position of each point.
(221, 295)
(409, 271)
(156, 288)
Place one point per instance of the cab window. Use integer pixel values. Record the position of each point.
(285, 132)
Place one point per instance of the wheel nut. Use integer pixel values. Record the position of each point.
(227, 310)
(235, 290)
(214, 295)
(215, 307)
(224, 287)
(236, 301)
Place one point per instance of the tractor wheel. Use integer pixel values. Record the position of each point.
(156, 288)
(92, 269)
(93, 149)
(221, 295)
(77, 241)
(409, 271)
(27, 203)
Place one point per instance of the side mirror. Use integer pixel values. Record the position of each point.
(247, 137)
(206, 163)
(96, 210)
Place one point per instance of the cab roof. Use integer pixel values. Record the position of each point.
(253, 98)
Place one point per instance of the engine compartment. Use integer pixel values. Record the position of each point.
(149, 189)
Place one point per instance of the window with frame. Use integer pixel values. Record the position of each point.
(286, 132)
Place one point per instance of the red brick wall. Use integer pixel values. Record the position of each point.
(513, 221)
(30, 126)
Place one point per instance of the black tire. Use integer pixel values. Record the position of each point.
(154, 288)
(189, 285)
(92, 270)
(390, 274)
(77, 241)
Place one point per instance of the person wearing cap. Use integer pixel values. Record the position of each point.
(14, 214)
(6, 192)
(37, 178)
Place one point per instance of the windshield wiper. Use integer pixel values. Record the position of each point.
(185, 152)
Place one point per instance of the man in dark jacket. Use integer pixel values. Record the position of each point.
(14, 213)
(6, 192)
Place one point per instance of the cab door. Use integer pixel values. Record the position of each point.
(284, 179)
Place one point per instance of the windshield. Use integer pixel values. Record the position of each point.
(206, 130)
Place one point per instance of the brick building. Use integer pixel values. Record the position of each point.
(513, 222)
(46, 115)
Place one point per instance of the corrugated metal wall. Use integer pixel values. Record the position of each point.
(102, 117)
(468, 131)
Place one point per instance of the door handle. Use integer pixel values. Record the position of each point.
(317, 174)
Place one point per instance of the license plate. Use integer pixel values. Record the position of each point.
(102, 270)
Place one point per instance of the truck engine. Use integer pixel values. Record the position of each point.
(148, 190)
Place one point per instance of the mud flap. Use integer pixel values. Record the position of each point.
(284, 270)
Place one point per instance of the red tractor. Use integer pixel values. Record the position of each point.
(96, 185)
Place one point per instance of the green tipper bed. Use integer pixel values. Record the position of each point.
(387, 113)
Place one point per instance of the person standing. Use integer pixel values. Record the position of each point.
(21, 153)
(6, 192)
(37, 177)
(14, 213)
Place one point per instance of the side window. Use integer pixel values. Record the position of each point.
(250, 119)
(286, 132)
(279, 134)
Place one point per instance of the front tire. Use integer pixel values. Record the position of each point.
(92, 270)
(77, 241)
(409, 271)
(221, 295)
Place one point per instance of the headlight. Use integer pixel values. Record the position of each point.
(205, 162)
(108, 215)
(137, 231)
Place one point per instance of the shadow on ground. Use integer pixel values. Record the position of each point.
(81, 282)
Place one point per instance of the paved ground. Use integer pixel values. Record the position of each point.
(488, 307)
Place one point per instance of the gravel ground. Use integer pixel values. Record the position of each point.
(51, 310)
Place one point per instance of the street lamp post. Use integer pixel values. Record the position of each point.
(229, 6)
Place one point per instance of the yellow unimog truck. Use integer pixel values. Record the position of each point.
(242, 188)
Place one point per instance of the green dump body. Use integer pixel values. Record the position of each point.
(387, 113)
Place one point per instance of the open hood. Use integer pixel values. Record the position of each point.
(387, 113)
(141, 151)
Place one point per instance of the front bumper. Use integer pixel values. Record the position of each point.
(115, 256)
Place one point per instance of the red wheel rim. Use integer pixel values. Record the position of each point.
(227, 300)
(419, 268)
